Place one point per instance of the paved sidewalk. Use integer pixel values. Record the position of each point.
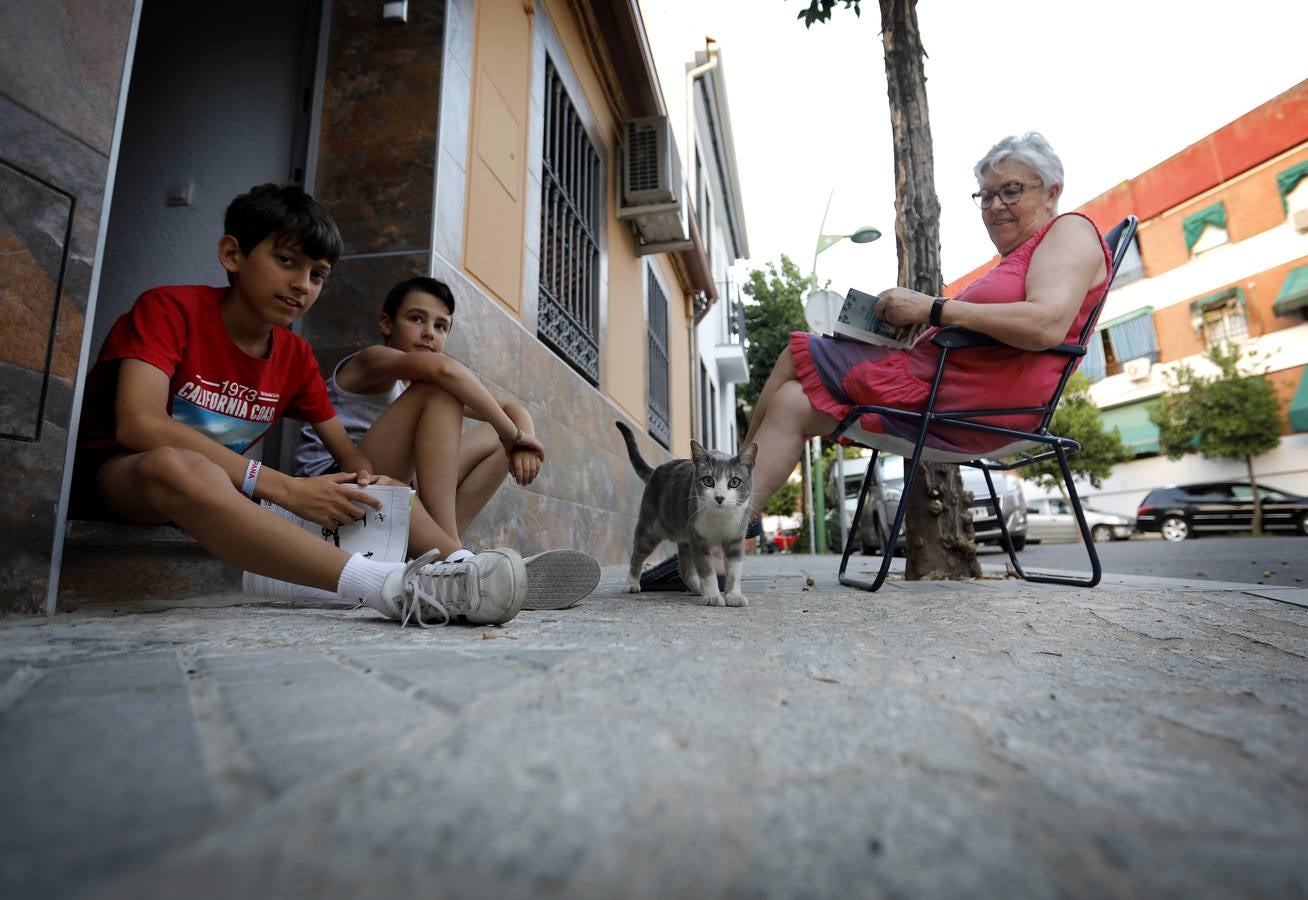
(993, 738)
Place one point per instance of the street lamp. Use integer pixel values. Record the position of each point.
(817, 532)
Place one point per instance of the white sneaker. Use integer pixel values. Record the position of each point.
(557, 579)
(488, 589)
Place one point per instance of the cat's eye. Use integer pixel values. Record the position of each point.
(707, 481)
(734, 483)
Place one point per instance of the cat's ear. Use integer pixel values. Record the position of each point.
(746, 456)
(697, 451)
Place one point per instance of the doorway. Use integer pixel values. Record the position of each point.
(220, 99)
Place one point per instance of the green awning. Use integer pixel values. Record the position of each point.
(1139, 435)
(1231, 293)
(1298, 411)
(1125, 317)
(1288, 180)
(1294, 292)
(1194, 225)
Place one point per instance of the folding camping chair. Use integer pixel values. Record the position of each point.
(953, 337)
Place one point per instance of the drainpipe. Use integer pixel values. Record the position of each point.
(710, 50)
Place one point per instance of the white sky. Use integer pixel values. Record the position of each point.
(1116, 85)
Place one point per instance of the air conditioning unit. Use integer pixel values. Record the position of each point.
(652, 189)
(1300, 219)
(1138, 369)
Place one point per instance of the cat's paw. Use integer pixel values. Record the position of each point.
(713, 599)
(633, 586)
(693, 585)
(735, 598)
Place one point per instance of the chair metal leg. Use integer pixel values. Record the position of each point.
(1005, 539)
(1095, 570)
(892, 539)
(851, 537)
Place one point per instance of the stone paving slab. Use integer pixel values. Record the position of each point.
(986, 738)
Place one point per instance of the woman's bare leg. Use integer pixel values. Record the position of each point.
(783, 371)
(790, 420)
(181, 486)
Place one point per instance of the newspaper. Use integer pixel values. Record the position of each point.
(382, 535)
(859, 321)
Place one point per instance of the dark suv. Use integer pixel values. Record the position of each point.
(1186, 511)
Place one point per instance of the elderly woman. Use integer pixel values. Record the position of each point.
(1052, 272)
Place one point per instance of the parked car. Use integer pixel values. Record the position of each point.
(1051, 519)
(1186, 511)
(883, 502)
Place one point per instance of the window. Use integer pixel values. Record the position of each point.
(1206, 229)
(713, 416)
(1220, 318)
(1132, 267)
(1118, 340)
(705, 427)
(656, 332)
(1293, 294)
(1224, 323)
(1292, 185)
(572, 193)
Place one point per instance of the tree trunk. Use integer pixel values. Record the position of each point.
(1257, 499)
(940, 541)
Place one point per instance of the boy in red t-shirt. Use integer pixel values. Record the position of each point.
(191, 377)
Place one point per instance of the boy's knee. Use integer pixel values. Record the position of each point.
(179, 471)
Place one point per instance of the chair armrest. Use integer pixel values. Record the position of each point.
(956, 336)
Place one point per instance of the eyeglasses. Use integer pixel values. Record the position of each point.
(1009, 194)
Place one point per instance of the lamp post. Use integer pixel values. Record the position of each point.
(817, 532)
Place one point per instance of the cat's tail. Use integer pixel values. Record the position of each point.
(637, 461)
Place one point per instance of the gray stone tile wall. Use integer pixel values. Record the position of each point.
(56, 126)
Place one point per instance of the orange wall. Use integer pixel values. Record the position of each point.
(494, 215)
(1253, 206)
(497, 151)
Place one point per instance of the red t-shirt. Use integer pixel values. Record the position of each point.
(214, 386)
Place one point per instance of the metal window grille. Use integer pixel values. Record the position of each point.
(1225, 323)
(571, 198)
(656, 331)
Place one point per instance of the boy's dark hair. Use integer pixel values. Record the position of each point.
(438, 289)
(289, 215)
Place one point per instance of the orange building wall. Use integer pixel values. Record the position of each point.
(497, 151)
(1253, 206)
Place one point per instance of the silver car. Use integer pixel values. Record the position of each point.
(888, 485)
(1051, 519)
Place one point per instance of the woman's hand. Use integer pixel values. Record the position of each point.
(901, 306)
(328, 500)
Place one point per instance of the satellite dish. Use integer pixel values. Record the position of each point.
(821, 309)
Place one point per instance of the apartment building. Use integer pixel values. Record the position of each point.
(525, 151)
(1221, 256)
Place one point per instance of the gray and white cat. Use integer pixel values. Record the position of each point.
(698, 503)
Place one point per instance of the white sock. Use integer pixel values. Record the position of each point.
(362, 580)
(461, 554)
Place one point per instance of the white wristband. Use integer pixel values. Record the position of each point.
(251, 478)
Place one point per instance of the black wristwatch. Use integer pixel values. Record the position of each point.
(936, 309)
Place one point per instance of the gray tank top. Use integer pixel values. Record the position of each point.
(357, 412)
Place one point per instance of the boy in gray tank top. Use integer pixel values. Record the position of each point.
(403, 402)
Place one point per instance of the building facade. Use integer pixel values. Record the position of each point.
(1221, 256)
(485, 142)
